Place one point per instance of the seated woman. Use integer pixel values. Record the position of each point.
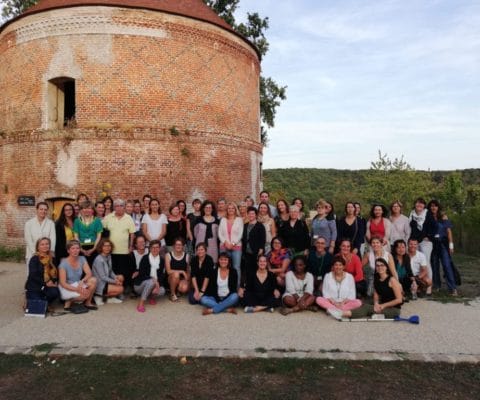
(221, 294)
(42, 281)
(377, 250)
(298, 294)
(109, 285)
(74, 288)
(201, 268)
(338, 289)
(402, 265)
(319, 261)
(139, 250)
(147, 283)
(260, 291)
(387, 296)
(353, 265)
(279, 260)
(177, 266)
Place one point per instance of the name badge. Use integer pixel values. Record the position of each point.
(88, 241)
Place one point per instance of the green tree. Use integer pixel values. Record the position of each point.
(453, 196)
(271, 93)
(12, 8)
(389, 180)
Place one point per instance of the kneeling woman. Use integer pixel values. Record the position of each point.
(147, 282)
(260, 291)
(72, 286)
(177, 265)
(42, 275)
(387, 295)
(109, 285)
(298, 294)
(338, 289)
(221, 292)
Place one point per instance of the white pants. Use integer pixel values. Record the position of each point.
(426, 247)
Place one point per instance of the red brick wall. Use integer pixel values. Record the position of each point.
(137, 75)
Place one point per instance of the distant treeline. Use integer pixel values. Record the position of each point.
(458, 191)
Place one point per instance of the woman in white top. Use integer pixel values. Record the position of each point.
(375, 252)
(154, 224)
(400, 228)
(230, 232)
(298, 294)
(265, 217)
(338, 289)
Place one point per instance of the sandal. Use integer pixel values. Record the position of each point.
(91, 307)
(173, 298)
(141, 309)
(152, 302)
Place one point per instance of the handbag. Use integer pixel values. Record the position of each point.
(36, 308)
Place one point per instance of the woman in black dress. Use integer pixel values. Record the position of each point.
(259, 292)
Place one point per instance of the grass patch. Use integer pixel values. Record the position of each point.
(101, 377)
(44, 347)
(16, 254)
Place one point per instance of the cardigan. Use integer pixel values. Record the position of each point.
(297, 237)
(144, 271)
(102, 270)
(255, 240)
(212, 288)
(236, 234)
(339, 291)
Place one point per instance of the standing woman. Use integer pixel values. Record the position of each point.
(378, 225)
(265, 218)
(402, 265)
(423, 228)
(177, 267)
(221, 294)
(192, 219)
(201, 267)
(260, 292)
(298, 202)
(182, 206)
(154, 224)
(88, 231)
(221, 208)
(387, 296)
(442, 249)
(253, 243)
(108, 203)
(298, 294)
(400, 227)
(137, 216)
(230, 233)
(295, 233)
(148, 282)
(64, 231)
(376, 251)
(349, 227)
(42, 281)
(74, 288)
(324, 227)
(176, 228)
(338, 289)
(283, 214)
(242, 211)
(206, 229)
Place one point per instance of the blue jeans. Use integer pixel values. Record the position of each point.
(218, 307)
(441, 254)
(236, 257)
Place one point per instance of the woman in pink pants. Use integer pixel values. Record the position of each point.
(338, 289)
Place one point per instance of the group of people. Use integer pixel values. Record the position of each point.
(222, 255)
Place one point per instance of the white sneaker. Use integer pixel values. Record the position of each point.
(114, 300)
(99, 301)
(335, 313)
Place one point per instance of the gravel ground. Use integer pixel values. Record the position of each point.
(443, 329)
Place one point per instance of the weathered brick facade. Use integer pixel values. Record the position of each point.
(165, 104)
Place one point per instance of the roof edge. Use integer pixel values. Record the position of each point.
(97, 4)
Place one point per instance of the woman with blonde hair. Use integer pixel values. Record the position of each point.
(400, 227)
(230, 233)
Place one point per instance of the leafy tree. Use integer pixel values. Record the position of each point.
(271, 93)
(453, 196)
(389, 180)
(12, 8)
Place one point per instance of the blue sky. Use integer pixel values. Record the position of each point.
(402, 77)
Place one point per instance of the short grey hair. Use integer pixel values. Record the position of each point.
(119, 202)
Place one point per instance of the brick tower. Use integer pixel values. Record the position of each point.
(141, 96)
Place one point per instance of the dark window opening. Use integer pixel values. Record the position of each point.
(61, 103)
(69, 90)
